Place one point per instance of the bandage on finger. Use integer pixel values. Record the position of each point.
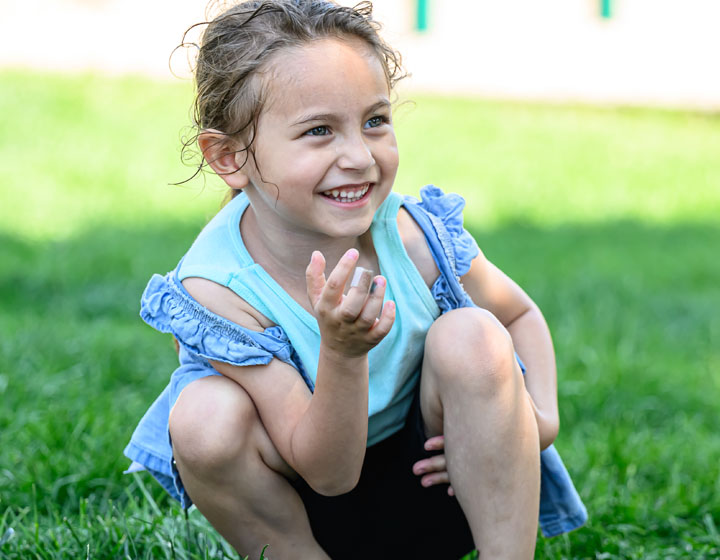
(359, 274)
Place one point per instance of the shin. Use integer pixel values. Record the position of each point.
(472, 391)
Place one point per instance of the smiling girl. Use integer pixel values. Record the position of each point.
(318, 408)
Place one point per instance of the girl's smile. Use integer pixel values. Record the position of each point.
(349, 194)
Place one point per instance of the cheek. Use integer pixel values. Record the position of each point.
(310, 163)
(390, 159)
(293, 168)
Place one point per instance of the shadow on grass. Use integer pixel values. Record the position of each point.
(633, 311)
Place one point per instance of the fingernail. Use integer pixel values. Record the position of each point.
(377, 283)
(352, 253)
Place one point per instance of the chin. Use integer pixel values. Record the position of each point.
(350, 228)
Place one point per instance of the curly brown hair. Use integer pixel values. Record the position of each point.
(238, 45)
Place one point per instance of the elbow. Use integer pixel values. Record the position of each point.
(548, 430)
(334, 480)
(548, 426)
(334, 486)
(330, 473)
(547, 440)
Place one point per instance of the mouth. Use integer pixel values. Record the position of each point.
(348, 194)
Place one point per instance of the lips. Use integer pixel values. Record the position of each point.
(348, 193)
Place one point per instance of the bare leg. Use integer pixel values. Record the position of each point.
(235, 476)
(472, 391)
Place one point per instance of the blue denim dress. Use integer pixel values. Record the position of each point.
(204, 336)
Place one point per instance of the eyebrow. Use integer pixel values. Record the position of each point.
(304, 119)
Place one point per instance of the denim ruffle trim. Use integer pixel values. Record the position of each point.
(168, 308)
(442, 214)
(448, 207)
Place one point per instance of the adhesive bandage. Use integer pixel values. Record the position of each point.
(358, 274)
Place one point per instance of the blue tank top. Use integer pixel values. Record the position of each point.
(220, 255)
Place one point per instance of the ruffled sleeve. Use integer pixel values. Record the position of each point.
(448, 209)
(167, 307)
(440, 215)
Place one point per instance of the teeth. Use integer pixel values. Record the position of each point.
(346, 196)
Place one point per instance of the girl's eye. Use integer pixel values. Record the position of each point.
(318, 131)
(376, 121)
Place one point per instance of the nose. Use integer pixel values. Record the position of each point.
(355, 154)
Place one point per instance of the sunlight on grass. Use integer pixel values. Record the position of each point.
(89, 151)
(554, 165)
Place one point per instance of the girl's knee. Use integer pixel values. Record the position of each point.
(470, 347)
(212, 423)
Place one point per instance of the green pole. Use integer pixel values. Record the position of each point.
(606, 9)
(421, 22)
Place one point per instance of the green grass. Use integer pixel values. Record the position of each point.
(608, 217)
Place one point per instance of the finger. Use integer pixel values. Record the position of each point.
(383, 315)
(435, 479)
(335, 285)
(373, 303)
(315, 277)
(354, 302)
(383, 325)
(433, 464)
(451, 492)
(435, 443)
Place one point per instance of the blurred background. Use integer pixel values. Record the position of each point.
(585, 137)
(647, 52)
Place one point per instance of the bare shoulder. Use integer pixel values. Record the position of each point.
(226, 303)
(416, 246)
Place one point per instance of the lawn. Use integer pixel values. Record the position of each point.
(610, 219)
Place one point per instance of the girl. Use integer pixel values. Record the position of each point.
(318, 408)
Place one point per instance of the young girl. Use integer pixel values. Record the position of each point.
(321, 408)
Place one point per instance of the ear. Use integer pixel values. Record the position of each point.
(222, 155)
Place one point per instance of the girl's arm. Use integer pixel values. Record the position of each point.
(491, 289)
(322, 438)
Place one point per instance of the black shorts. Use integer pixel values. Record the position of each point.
(389, 514)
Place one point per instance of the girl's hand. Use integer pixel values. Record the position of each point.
(349, 324)
(434, 469)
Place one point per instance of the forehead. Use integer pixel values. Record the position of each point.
(324, 73)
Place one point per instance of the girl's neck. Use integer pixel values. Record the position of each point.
(285, 254)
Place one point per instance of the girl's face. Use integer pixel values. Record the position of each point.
(325, 147)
